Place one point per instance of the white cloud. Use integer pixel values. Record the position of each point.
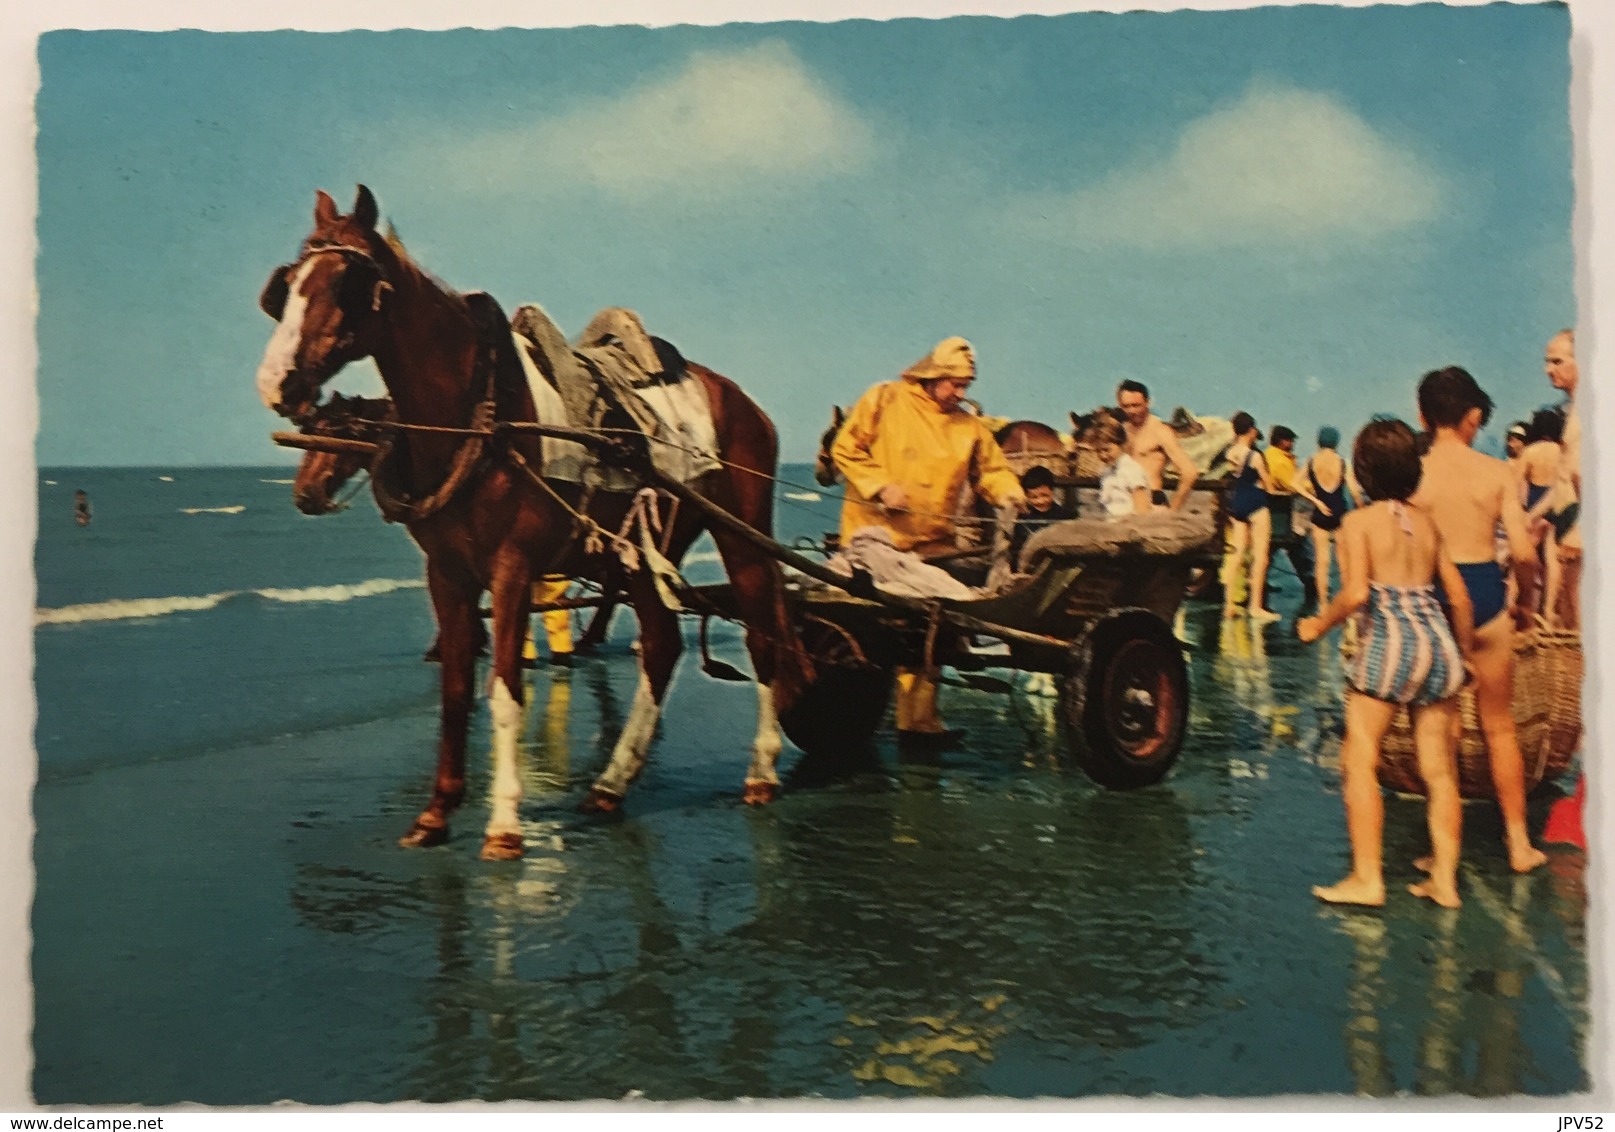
(748, 115)
(1280, 166)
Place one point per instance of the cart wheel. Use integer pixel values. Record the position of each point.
(1126, 700)
(843, 707)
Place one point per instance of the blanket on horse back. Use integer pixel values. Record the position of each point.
(614, 365)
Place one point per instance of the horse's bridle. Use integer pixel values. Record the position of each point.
(347, 251)
(351, 252)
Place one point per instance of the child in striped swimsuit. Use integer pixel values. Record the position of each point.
(1407, 655)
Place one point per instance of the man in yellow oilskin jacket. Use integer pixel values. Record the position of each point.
(907, 450)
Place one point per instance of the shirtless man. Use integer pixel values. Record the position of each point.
(1151, 442)
(1468, 494)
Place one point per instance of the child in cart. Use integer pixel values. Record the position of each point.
(1413, 643)
(1124, 488)
(1041, 508)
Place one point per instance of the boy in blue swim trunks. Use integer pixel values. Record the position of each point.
(1408, 654)
(1468, 495)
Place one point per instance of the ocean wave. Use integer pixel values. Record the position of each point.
(128, 609)
(277, 481)
(372, 588)
(804, 496)
(236, 510)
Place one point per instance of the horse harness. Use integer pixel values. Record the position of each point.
(476, 451)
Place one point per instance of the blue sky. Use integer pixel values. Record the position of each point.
(1290, 211)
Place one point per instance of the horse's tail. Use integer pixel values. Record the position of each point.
(748, 445)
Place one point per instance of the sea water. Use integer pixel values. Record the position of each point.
(235, 725)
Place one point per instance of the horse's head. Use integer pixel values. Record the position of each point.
(1088, 428)
(323, 473)
(328, 305)
(320, 476)
(824, 466)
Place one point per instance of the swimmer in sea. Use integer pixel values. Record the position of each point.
(1468, 494)
(1411, 652)
(81, 508)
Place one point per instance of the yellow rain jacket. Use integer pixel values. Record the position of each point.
(1281, 468)
(897, 434)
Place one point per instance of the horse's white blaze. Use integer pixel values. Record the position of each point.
(280, 356)
(628, 757)
(765, 748)
(506, 791)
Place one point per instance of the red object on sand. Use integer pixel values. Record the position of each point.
(1564, 819)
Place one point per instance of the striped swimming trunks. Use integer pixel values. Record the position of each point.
(1406, 653)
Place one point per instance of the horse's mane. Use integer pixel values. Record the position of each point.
(394, 243)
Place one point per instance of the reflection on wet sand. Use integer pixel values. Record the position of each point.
(1366, 1055)
(1475, 993)
(974, 923)
(940, 932)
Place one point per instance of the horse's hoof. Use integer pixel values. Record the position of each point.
(759, 793)
(502, 847)
(424, 836)
(599, 801)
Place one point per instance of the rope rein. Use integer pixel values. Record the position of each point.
(690, 450)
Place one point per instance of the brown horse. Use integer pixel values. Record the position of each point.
(322, 474)
(485, 520)
(825, 471)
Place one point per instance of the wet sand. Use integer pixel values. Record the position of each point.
(237, 927)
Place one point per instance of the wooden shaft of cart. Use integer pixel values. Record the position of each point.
(313, 442)
(722, 518)
(821, 573)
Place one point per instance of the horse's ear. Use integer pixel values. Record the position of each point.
(325, 210)
(393, 240)
(365, 212)
(837, 416)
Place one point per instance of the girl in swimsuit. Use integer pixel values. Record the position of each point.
(1408, 654)
(1326, 467)
(1250, 526)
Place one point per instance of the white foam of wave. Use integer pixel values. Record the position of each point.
(166, 479)
(277, 481)
(50, 483)
(701, 556)
(236, 510)
(804, 496)
(371, 588)
(128, 609)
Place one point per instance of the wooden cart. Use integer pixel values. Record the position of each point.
(1099, 619)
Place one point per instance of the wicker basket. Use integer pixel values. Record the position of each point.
(1547, 718)
(1561, 652)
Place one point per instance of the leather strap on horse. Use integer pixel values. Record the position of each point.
(492, 337)
(396, 508)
